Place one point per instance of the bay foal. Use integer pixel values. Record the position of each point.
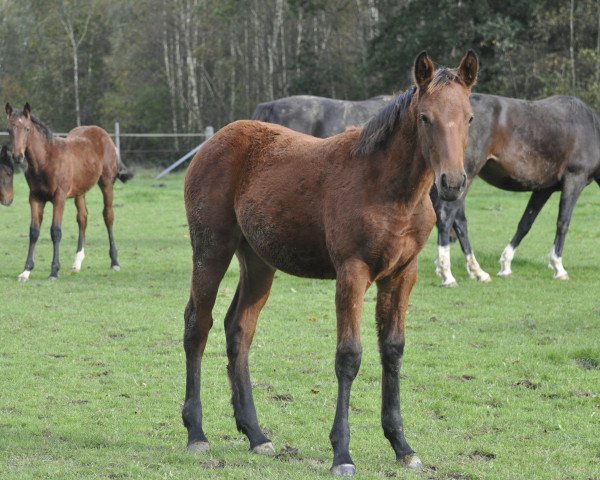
(60, 168)
(354, 207)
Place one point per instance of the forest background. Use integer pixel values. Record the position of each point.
(180, 65)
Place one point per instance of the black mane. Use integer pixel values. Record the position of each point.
(42, 128)
(378, 130)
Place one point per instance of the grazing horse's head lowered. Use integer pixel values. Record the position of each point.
(7, 169)
(443, 132)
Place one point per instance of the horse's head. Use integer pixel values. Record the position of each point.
(20, 126)
(443, 114)
(6, 177)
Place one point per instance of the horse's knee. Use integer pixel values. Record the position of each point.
(34, 234)
(392, 350)
(347, 360)
(193, 330)
(55, 233)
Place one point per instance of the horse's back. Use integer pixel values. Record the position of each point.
(94, 154)
(522, 145)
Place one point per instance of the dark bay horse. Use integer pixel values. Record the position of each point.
(354, 207)
(60, 168)
(318, 116)
(541, 146)
(7, 170)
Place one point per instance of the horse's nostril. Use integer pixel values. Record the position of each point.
(444, 181)
(464, 181)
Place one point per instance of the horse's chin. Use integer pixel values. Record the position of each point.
(6, 203)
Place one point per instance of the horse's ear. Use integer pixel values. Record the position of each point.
(424, 68)
(468, 68)
(27, 110)
(8, 109)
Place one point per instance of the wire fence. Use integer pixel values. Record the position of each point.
(149, 149)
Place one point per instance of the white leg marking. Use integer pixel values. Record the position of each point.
(475, 270)
(24, 276)
(79, 256)
(443, 267)
(555, 263)
(505, 261)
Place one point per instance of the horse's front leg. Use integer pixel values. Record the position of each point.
(392, 301)
(445, 215)
(56, 234)
(351, 285)
(37, 213)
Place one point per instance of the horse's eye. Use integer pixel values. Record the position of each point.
(424, 119)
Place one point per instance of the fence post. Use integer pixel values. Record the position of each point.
(118, 138)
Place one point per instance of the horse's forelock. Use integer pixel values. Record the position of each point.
(442, 77)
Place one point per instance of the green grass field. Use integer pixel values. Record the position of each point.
(500, 381)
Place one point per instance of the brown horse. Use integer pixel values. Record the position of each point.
(354, 207)
(7, 169)
(61, 168)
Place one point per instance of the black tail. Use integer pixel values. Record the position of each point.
(123, 174)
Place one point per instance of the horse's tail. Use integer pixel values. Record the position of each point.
(123, 173)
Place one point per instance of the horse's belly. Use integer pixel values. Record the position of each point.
(524, 179)
(285, 244)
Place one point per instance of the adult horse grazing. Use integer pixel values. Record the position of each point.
(541, 146)
(318, 116)
(354, 207)
(61, 168)
(7, 169)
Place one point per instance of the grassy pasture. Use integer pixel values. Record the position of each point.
(499, 381)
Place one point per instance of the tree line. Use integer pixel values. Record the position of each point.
(180, 65)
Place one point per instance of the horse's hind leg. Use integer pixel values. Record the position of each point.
(536, 202)
(82, 222)
(108, 214)
(252, 292)
(210, 262)
(572, 188)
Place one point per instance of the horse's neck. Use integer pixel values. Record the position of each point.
(38, 150)
(409, 174)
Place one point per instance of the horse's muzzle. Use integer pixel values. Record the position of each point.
(450, 190)
(6, 202)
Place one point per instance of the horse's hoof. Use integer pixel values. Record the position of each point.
(264, 449)
(198, 447)
(22, 278)
(564, 276)
(75, 270)
(116, 268)
(485, 278)
(343, 470)
(52, 278)
(504, 273)
(411, 461)
(451, 284)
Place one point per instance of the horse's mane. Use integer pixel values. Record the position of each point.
(42, 128)
(379, 129)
